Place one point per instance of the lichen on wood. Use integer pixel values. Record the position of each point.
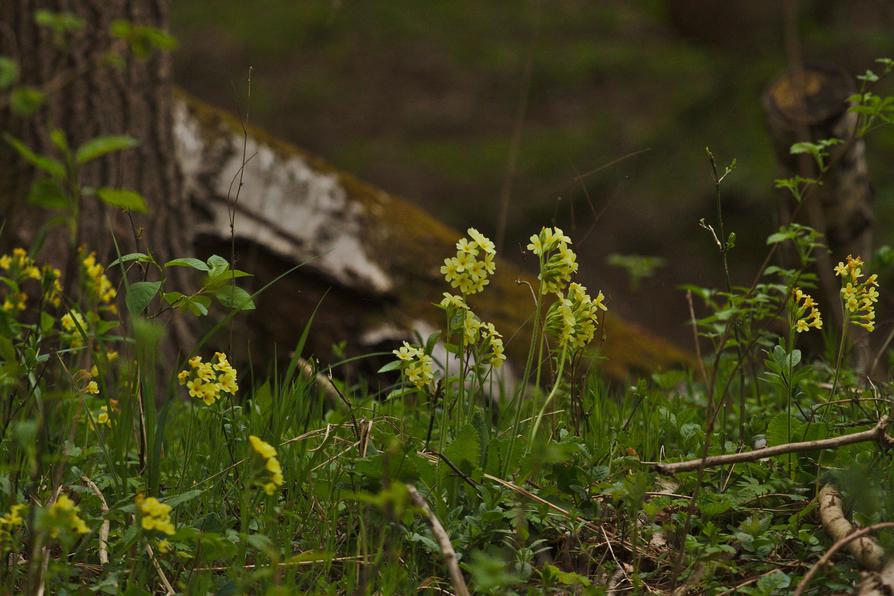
(376, 255)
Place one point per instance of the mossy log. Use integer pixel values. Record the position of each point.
(374, 256)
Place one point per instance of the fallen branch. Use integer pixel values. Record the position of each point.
(878, 584)
(866, 550)
(104, 528)
(835, 548)
(876, 433)
(456, 576)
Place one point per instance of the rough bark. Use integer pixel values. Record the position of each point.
(88, 97)
(814, 103)
(376, 255)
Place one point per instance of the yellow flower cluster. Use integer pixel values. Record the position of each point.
(9, 522)
(18, 267)
(806, 312)
(155, 515)
(63, 514)
(104, 417)
(473, 264)
(73, 323)
(207, 380)
(574, 317)
(416, 365)
(488, 340)
(858, 297)
(97, 282)
(267, 453)
(557, 261)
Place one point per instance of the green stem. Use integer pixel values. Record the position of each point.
(549, 397)
(523, 382)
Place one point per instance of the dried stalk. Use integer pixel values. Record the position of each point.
(456, 576)
(876, 433)
(104, 528)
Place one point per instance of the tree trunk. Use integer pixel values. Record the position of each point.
(86, 97)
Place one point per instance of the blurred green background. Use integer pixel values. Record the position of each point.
(422, 98)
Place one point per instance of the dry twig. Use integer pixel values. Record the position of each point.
(866, 550)
(876, 433)
(104, 528)
(434, 524)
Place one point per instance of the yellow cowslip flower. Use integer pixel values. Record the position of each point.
(557, 261)
(97, 282)
(492, 349)
(471, 328)
(103, 417)
(574, 317)
(416, 365)
(9, 523)
(73, 322)
(63, 515)
(92, 388)
(470, 269)
(155, 515)
(858, 297)
(207, 380)
(163, 546)
(806, 312)
(15, 302)
(453, 301)
(267, 453)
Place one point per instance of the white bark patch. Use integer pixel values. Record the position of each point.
(285, 204)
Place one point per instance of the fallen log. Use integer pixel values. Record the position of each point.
(375, 257)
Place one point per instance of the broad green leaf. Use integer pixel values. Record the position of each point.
(42, 162)
(234, 297)
(198, 305)
(188, 262)
(121, 197)
(140, 294)
(466, 447)
(218, 265)
(95, 148)
(47, 193)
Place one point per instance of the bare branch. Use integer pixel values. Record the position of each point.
(876, 433)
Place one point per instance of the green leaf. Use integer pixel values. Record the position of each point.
(198, 305)
(95, 148)
(183, 497)
(234, 297)
(134, 256)
(140, 294)
(9, 71)
(466, 447)
(188, 262)
(47, 193)
(121, 197)
(25, 101)
(42, 162)
(217, 265)
(393, 365)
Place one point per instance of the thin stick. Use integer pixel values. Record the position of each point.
(456, 576)
(876, 433)
(835, 548)
(104, 528)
